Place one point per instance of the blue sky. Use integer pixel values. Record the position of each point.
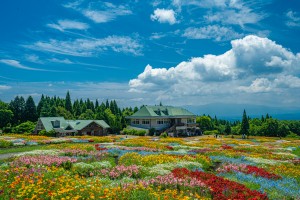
(180, 52)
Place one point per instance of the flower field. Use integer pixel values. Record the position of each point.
(151, 168)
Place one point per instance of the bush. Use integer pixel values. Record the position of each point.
(67, 165)
(213, 132)
(26, 127)
(163, 135)
(5, 144)
(292, 135)
(49, 133)
(152, 131)
(141, 133)
(83, 169)
(134, 132)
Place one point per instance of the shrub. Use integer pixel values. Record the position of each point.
(26, 127)
(141, 132)
(152, 131)
(67, 165)
(213, 132)
(5, 144)
(163, 135)
(134, 132)
(292, 135)
(83, 169)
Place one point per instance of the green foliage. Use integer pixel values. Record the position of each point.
(26, 127)
(134, 132)
(62, 112)
(83, 169)
(30, 112)
(205, 123)
(17, 106)
(152, 131)
(163, 135)
(88, 114)
(227, 130)
(5, 144)
(297, 152)
(51, 133)
(292, 135)
(67, 165)
(213, 132)
(68, 103)
(270, 127)
(245, 124)
(5, 117)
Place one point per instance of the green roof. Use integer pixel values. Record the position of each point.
(162, 112)
(75, 124)
(80, 124)
(47, 122)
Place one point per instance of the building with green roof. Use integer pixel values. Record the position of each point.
(64, 127)
(163, 118)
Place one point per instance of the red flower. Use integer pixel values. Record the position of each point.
(221, 189)
(169, 147)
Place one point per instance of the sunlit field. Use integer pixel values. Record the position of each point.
(121, 167)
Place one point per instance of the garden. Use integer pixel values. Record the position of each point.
(132, 167)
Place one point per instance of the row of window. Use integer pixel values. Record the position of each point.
(160, 121)
(145, 121)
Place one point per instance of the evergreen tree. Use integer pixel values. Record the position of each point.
(17, 106)
(40, 105)
(107, 104)
(135, 109)
(96, 104)
(262, 119)
(245, 125)
(267, 116)
(227, 129)
(68, 104)
(30, 112)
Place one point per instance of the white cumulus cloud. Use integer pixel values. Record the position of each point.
(252, 65)
(164, 16)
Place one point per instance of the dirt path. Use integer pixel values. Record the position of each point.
(7, 155)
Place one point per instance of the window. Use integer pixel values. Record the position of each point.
(160, 121)
(145, 121)
(191, 120)
(56, 124)
(166, 121)
(135, 121)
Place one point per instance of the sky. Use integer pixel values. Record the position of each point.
(178, 52)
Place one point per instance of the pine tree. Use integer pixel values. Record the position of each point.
(107, 104)
(267, 116)
(40, 105)
(17, 106)
(68, 104)
(227, 129)
(30, 113)
(262, 119)
(245, 125)
(96, 104)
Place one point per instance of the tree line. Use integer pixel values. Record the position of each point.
(264, 126)
(20, 113)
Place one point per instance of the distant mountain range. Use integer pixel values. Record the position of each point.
(234, 112)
